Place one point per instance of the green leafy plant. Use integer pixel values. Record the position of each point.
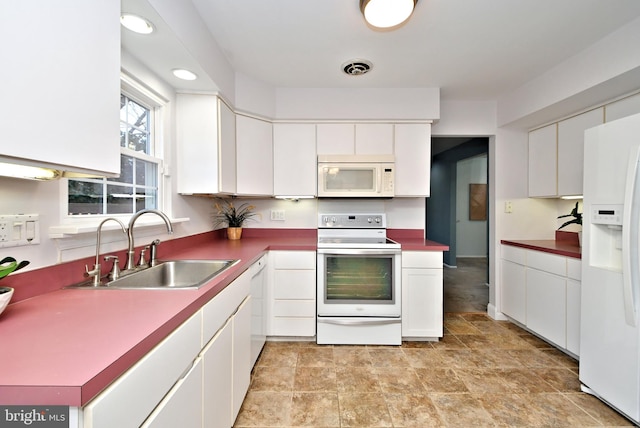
(227, 213)
(9, 265)
(577, 217)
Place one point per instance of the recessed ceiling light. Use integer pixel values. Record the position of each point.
(183, 74)
(387, 13)
(136, 23)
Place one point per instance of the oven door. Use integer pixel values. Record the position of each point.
(359, 282)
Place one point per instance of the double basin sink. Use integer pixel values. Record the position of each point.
(166, 275)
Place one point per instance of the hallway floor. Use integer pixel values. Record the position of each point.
(484, 373)
(465, 286)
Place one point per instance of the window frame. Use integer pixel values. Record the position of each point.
(156, 104)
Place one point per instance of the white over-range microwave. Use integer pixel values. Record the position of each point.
(356, 176)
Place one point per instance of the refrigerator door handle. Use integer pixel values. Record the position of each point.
(630, 241)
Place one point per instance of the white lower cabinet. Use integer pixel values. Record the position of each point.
(197, 377)
(241, 355)
(546, 305)
(542, 291)
(217, 379)
(422, 295)
(182, 406)
(292, 294)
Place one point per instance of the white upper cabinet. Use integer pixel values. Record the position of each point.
(413, 159)
(254, 145)
(206, 138)
(622, 108)
(336, 138)
(61, 84)
(571, 150)
(543, 161)
(358, 138)
(294, 159)
(556, 154)
(374, 139)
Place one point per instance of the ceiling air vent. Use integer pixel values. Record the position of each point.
(356, 67)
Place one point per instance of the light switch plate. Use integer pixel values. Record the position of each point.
(18, 230)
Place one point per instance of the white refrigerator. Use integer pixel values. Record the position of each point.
(609, 328)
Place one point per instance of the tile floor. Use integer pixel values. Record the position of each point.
(465, 286)
(484, 373)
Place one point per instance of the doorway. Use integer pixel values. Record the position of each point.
(457, 215)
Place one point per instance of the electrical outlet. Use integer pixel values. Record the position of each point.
(4, 230)
(508, 207)
(277, 215)
(18, 230)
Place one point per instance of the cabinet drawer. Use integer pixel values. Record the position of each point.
(551, 263)
(294, 308)
(514, 254)
(294, 326)
(216, 312)
(294, 259)
(574, 268)
(422, 259)
(132, 397)
(294, 284)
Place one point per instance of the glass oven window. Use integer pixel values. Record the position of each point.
(355, 278)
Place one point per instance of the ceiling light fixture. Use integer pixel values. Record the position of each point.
(136, 23)
(387, 13)
(183, 74)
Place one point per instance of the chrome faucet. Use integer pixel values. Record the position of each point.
(131, 252)
(96, 272)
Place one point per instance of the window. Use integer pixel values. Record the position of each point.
(138, 185)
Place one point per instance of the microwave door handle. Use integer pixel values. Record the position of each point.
(379, 188)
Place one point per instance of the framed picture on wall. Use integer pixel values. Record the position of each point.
(477, 202)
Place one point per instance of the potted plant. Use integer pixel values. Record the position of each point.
(577, 219)
(227, 213)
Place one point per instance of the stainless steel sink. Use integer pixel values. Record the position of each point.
(172, 274)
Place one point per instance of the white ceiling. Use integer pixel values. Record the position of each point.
(471, 49)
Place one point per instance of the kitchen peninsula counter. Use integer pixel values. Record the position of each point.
(64, 346)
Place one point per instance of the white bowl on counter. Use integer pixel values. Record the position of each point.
(5, 297)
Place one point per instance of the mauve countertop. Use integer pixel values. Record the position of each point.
(64, 346)
(565, 244)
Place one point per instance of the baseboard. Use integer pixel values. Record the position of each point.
(492, 313)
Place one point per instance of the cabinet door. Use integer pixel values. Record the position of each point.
(374, 139)
(514, 291)
(622, 108)
(206, 155)
(217, 379)
(543, 160)
(182, 406)
(241, 355)
(573, 316)
(546, 305)
(254, 145)
(413, 159)
(422, 302)
(294, 159)
(571, 150)
(68, 56)
(336, 139)
(227, 161)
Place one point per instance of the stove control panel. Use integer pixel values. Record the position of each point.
(353, 221)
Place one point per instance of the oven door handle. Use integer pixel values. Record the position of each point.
(360, 321)
(359, 251)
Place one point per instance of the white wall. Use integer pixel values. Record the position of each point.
(358, 103)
